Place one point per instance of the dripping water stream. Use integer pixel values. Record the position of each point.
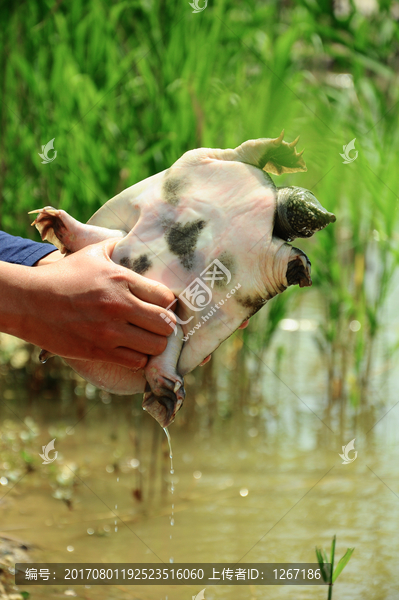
(172, 487)
(116, 507)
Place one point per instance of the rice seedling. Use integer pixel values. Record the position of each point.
(328, 573)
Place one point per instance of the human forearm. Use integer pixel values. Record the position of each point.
(15, 285)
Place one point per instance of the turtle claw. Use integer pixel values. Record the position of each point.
(44, 356)
(277, 141)
(163, 407)
(164, 393)
(294, 143)
(51, 226)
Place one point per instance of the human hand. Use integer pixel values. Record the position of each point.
(87, 307)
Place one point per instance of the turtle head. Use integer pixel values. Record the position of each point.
(299, 214)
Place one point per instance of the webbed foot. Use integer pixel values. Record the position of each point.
(164, 405)
(51, 224)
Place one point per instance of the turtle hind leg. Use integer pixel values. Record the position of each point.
(69, 235)
(164, 393)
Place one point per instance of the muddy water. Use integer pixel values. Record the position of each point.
(263, 485)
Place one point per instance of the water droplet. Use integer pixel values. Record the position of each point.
(116, 529)
(172, 487)
(90, 531)
(70, 548)
(117, 479)
(171, 560)
(170, 446)
(244, 492)
(354, 326)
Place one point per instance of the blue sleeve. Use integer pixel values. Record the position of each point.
(21, 251)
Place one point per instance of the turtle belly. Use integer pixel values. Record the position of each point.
(110, 377)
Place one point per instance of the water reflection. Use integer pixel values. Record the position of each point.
(256, 460)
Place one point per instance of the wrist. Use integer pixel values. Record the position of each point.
(13, 281)
(49, 258)
(20, 298)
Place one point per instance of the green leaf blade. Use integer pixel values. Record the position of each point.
(342, 563)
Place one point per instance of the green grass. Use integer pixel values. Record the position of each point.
(328, 572)
(125, 87)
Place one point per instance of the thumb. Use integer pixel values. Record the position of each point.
(103, 249)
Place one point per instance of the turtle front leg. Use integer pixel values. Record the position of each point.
(69, 235)
(164, 393)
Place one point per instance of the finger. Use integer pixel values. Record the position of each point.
(126, 357)
(151, 291)
(142, 287)
(206, 360)
(152, 318)
(141, 340)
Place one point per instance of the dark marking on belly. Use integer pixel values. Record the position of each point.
(139, 265)
(228, 261)
(172, 188)
(253, 303)
(182, 240)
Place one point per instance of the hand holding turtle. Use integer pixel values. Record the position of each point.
(86, 307)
